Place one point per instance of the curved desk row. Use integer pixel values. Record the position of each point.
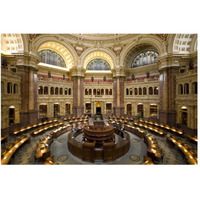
(4, 137)
(61, 130)
(76, 119)
(43, 148)
(185, 149)
(46, 128)
(154, 151)
(157, 131)
(165, 127)
(192, 138)
(34, 126)
(7, 154)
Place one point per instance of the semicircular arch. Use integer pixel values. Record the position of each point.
(94, 53)
(150, 40)
(62, 48)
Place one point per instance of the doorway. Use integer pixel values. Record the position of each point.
(56, 110)
(184, 115)
(140, 110)
(11, 115)
(98, 108)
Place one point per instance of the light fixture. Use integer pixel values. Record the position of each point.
(53, 66)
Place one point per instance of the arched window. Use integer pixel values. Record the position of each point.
(40, 90)
(150, 91)
(51, 57)
(180, 89)
(131, 91)
(186, 88)
(98, 91)
(94, 91)
(155, 90)
(90, 91)
(52, 90)
(194, 87)
(140, 91)
(15, 88)
(65, 91)
(56, 90)
(136, 91)
(86, 91)
(106, 91)
(110, 92)
(69, 91)
(46, 90)
(9, 88)
(144, 91)
(61, 91)
(144, 58)
(102, 91)
(98, 64)
(2, 87)
(127, 92)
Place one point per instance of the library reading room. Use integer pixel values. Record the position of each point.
(99, 99)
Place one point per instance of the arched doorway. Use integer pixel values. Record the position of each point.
(153, 110)
(56, 110)
(67, 108)
(140, 111)
(43, 111)
(11, 115)
(184, 115)
(98, 108)
(129, 109)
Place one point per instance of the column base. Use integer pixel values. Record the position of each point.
(29, 117)
(78, 111)
(167, 117)
(118, 111)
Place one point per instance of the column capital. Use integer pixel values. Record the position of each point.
(77, 71)
(119, 71)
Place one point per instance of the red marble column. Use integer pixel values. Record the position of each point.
(167, 82)
(29, 112)
(78, 105)
(118, 104)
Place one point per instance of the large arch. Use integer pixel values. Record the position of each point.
(62, 48)
(183, 43)
(13, 43)
(146, 40)
(93, 53)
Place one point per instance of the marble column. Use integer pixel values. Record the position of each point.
(29, 110)
(78, 100)
(167, 84)
(118, 94)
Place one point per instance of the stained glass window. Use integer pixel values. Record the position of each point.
(52, 58)
(144, 58)
(98, 64)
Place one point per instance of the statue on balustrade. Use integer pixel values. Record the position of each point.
(4, 62)
(104, 78)
(191, 65)
(92, 79)
(49, 74)
(63, 77)
(133, 77)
